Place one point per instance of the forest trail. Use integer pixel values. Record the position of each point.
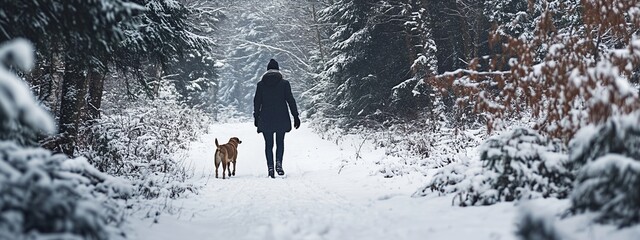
(314, 201)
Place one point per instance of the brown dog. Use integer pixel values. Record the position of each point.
(227, 154)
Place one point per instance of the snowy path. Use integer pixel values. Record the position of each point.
(314, 201)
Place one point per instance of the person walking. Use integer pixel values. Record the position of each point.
(271, 115)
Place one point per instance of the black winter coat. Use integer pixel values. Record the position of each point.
(273, 94)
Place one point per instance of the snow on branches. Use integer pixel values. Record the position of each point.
(45, 195)
(608, 160)
(141, 142)
(17, 104)
(50, 196)
(573, 71)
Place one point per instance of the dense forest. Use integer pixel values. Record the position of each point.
(98, 97)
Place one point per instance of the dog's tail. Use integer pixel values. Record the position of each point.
(217, 145)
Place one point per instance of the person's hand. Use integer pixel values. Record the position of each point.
(296, 122)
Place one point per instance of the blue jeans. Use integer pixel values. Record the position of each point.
(268, 150)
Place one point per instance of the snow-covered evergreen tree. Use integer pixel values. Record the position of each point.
(155, 40)
(369, 56)
(195, 79)
(520, 164)
(195, 74)
(351, 35)
(415, 95)
(518, 18)
(608, 170)
(512, 17)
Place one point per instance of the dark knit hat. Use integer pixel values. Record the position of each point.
(273, 65)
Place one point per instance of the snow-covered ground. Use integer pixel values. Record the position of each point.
(320, 199)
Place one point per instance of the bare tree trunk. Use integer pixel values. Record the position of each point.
(57, 78)
(465, 28)
(74, 89)
(150, 81)
(157, 77)
(317, 28)
(96, 87)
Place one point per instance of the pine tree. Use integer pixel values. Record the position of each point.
(369, 56)
(154, 40)
(512, 17)
(413, 96)
(85, 32)
(447, 35)
(607, 162)
(195, 74)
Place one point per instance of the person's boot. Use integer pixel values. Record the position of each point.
(279, 168)
(271, 174)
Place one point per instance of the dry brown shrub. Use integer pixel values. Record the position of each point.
(563, 77)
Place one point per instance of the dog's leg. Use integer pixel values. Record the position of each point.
(234, 168)
(229, 167)
(217, 162)
(224, 169)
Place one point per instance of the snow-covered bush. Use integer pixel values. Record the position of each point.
(454, 178)
(607, 181)
(427, 145)
(143, 142)
(406, 147)
(436, 143)
(47, 196)
(568, 65)
(527, 165)
(53, 197)
(520, 164)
